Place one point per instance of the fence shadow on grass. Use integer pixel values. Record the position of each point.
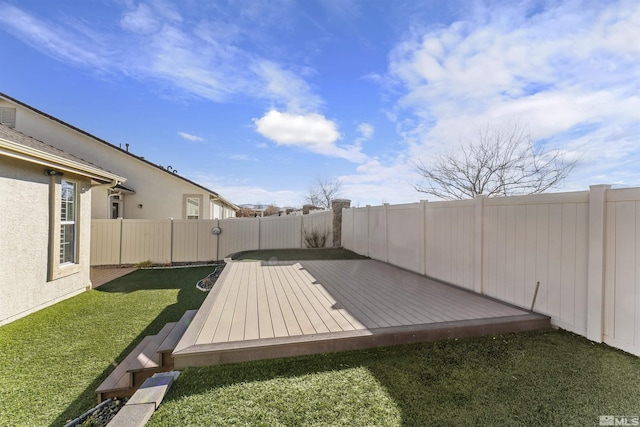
(188, 298)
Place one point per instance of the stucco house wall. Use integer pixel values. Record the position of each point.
(25, 200)
(45, 232)
(158, 193)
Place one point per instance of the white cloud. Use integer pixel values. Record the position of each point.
(240, 193)
(291, 129)
(311, 131)
(77, 45)
(286, 87)
(189, 137)
(204, 57)
(140, 20)
(148, 17)
(366, 130)
(562, 68)
(370, 166)
(376, 183)
(242, 157)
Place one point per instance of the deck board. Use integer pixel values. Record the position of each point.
(265, 324)
(270, 309)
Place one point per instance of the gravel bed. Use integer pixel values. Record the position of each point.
(207, 283)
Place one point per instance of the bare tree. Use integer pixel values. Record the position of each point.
(499, 163)
(323, 191)
(246, 213)
(271, 210)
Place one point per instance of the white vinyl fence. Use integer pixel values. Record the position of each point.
(131, 241)
(582, 248)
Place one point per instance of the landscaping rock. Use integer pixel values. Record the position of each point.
(206, 284)
(105, 414)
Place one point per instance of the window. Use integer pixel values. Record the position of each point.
(193, 208)
(8, 116)
(68, 215)
(64, 246)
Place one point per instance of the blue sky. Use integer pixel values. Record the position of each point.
(255, 99)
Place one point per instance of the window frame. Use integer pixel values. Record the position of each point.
(185, 205)
(58, 267)
(68, 217)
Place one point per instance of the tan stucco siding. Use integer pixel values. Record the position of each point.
(25, 239)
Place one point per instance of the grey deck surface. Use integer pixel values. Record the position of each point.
(261, 310)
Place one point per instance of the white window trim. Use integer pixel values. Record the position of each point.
(185, 198)
(57, 269)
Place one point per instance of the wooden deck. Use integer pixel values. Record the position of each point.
(260, 310)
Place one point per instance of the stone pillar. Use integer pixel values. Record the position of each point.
(337, 205)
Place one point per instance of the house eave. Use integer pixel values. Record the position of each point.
(72, 128)
(225, 202)
(32, 155)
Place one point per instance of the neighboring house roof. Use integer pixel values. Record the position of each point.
(102, 141)
(20, 146)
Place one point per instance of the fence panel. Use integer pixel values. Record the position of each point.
(116, 241)
(322, 222)
(208, 241)
(405, 231)
(194, 241)
(281, 232)
(543, 238)
(238, 234)
(361, 231)
(184, 241)
(105, 241)
(450, 237)
(348, 237)
(622, 266)
(146, 240)
(377, 233)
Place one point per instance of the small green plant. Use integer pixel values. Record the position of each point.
(315, 238)
(144, 264)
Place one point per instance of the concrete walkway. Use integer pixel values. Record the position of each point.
(102, 275)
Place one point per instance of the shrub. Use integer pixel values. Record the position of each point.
(144, 264)
(316, 238)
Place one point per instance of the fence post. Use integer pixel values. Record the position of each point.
(259, 231)
(337, 205)
(423, 205)
(170, 240)
(596, 262)
(302, 245)
(217, 237)
(367, 234)
(120, 243)
(386, 232)
(478, 248)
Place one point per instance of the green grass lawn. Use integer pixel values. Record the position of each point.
(296, 255)
(542, 378)
(52, 361)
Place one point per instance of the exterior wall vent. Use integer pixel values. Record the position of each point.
(8, 117)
